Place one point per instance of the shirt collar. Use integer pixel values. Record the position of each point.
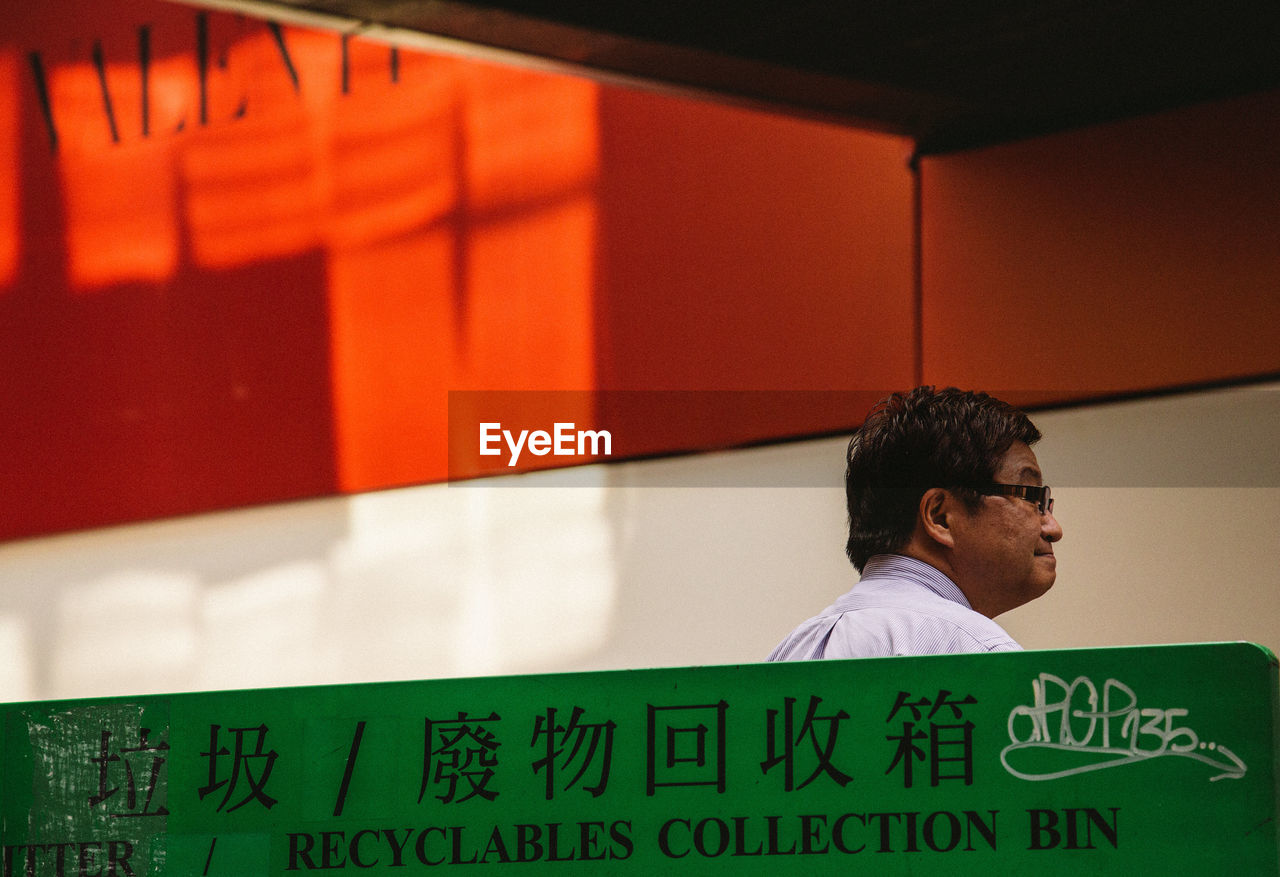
(902, 567)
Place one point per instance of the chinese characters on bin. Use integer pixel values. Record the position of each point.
(470, 758)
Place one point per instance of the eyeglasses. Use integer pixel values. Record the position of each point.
(1041, 496)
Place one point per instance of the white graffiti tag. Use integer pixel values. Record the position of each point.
(1093, 732)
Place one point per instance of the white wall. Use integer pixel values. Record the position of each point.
(1168, 507)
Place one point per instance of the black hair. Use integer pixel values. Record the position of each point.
(916, 440)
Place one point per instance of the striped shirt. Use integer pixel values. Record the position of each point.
(900, 606)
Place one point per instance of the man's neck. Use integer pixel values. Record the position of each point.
(939, 560)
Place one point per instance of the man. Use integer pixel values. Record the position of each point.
(950, 525)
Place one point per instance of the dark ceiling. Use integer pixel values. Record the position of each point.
(950, 74)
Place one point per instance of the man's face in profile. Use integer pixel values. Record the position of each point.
(1005, 547)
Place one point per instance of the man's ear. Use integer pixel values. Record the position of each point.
(935, 516)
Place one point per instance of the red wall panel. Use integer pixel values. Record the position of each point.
(1132, 256)
(242, 263)
(746, 252)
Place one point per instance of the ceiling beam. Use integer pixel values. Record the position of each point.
(949, 74)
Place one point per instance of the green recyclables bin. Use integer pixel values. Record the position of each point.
(1145, 760)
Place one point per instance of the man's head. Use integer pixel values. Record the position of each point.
(921, 480)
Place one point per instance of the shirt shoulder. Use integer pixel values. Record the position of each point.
(914, 631)
(882, 623)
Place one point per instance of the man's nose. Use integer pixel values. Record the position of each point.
(1050, 529)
